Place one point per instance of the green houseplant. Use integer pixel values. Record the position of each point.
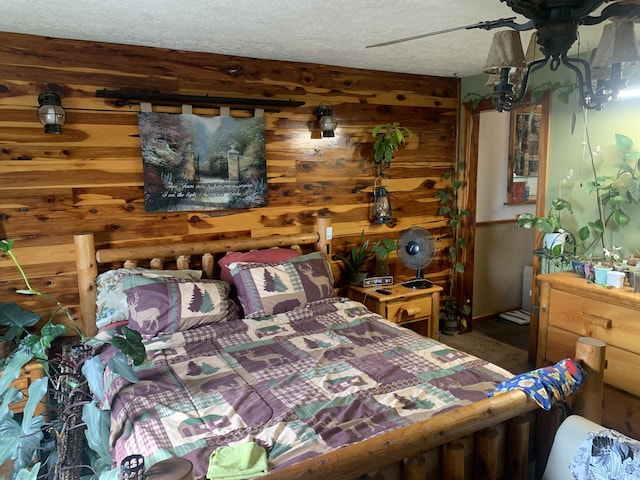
(41, 446)
(550, 223)
(355, 261)
(382, 249)
(388, 138)
(616, 195)
(453, 315)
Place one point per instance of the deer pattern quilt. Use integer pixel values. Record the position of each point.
(299, 384)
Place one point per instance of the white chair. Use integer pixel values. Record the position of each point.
(569, 437)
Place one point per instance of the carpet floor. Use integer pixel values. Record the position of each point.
(498, 341)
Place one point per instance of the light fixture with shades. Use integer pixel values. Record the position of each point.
(556, 31)
(381, 202)
(555, 23)
(326, 120)
(50, 112)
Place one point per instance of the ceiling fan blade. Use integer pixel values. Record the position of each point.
(488, 25)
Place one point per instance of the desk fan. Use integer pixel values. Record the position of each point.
(416, 249)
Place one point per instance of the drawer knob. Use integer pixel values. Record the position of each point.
(599, 321)
(409, 312)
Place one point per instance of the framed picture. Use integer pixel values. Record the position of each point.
(527, 149)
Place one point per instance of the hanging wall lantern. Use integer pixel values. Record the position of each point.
(50, 112)
(381, 202)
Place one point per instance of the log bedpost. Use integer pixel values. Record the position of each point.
(486, 454)
(453, 461)
(414, 468)
(87, 270)
(518, 449)
(590, 352)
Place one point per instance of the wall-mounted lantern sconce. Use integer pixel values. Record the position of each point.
(326, 120)
(50, 113)
(381, 202)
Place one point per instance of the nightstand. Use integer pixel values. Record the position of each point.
(417, 309)
(30, 372)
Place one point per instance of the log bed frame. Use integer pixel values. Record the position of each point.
(439, 444)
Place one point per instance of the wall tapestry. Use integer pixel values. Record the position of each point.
(202, 163)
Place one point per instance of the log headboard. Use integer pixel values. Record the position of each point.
(180, 254)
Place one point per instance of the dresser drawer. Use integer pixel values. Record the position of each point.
(620, 369)
(616, 325)
(408, 309)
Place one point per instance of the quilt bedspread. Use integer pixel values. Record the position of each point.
(299, 384)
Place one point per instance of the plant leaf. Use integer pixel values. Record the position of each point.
(11, 371)
(130, 343)
(97, 433)
(37, 391)
(30, 439)
(9, 438)
(621, 218)
(634, 190)
(623, 142)
(584, 233)
(119, 365)
(16, 319)
(25, 474)
(92, 369)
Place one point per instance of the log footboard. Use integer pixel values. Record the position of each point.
(489, 439)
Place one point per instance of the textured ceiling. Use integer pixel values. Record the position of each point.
(332, 32)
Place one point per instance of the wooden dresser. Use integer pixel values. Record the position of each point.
(571, 308)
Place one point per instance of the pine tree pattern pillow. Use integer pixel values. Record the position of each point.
(270, 288)
(111, 301)
(174, 305)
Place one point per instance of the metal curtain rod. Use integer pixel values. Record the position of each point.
(176, 98)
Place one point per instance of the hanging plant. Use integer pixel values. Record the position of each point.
(616, 194)
(388, 139)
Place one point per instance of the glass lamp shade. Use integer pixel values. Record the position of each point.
(381, 203)
(328, 124)
(50, 112)
(326, 120)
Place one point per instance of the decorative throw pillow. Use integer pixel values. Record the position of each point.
(170, 305)
(111, 301)
(267, 255)
(269, 288)
(606, 454)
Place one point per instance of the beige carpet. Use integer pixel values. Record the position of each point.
(502, 354)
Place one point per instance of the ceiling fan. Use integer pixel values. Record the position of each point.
(556, 23)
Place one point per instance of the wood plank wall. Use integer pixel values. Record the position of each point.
(90, 176)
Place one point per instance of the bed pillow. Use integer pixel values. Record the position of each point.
(269, 288)
(267, 255)
(111, 301)
(169, 305)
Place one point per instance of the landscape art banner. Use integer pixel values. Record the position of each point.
(202, 163)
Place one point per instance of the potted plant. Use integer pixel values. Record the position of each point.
(38, 443)
(551, 226)
(453, 315)
(354, 262)
(388, 138)
(382, 249)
